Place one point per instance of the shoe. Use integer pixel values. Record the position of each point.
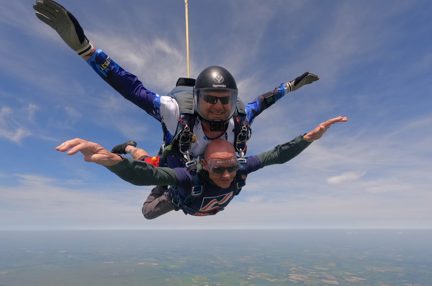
(121, 148)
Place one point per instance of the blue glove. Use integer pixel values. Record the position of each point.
(65, 24)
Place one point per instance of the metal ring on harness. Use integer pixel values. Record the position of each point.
(242, 137)
(185, 139)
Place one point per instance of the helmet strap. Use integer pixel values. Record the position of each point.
(219, 125)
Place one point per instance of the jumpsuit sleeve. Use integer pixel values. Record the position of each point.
(262, 102)
(142, 174)
(127, 84)
(278, 155)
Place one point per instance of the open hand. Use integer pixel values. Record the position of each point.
(91, 151)
(322, 128)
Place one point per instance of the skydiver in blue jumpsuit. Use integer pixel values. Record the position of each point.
(165, 108)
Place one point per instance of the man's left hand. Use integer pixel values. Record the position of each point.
(319, 131)
(302, 80)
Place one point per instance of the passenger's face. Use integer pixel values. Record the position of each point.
(222, 168)
(215, 105)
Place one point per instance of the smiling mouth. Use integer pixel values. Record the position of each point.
(218, 115)
(217, 112)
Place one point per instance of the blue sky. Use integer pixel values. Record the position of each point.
(374, 59)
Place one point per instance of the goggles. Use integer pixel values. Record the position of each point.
(220, 166)
(221, 170)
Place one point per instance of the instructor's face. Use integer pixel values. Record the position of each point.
(215, 105)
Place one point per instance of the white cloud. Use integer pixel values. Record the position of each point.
(255, 199)
(16, 135)
(39, 201)
(72, 113)
(16, 14)
(157, 62)
(5, 111)
(10, 126)
(300, 199)
(346, 177)
(120, 115)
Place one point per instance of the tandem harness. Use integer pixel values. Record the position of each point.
(185, 203)
(183, 138)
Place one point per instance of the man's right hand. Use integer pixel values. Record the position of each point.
(65, 24)
(91, 151)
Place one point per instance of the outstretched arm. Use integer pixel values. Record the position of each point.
(134, 172)
(285, 152)
(262, 102)
(69, 29)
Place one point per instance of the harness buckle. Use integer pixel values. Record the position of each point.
(196, 191)
(185, 139)
(191, 165)
(242, 160)
(242, 137)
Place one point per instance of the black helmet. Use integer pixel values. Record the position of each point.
(212, 80)
(215, 77)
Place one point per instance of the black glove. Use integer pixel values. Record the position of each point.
(65, 24)
(300, 81)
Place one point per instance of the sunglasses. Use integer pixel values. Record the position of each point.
(214, 99)
(221, 170)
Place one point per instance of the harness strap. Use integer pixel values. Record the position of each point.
(182, 204)
(242, 130)
(242, 137)
(196, 183)
(241, 175)
(185, 140)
